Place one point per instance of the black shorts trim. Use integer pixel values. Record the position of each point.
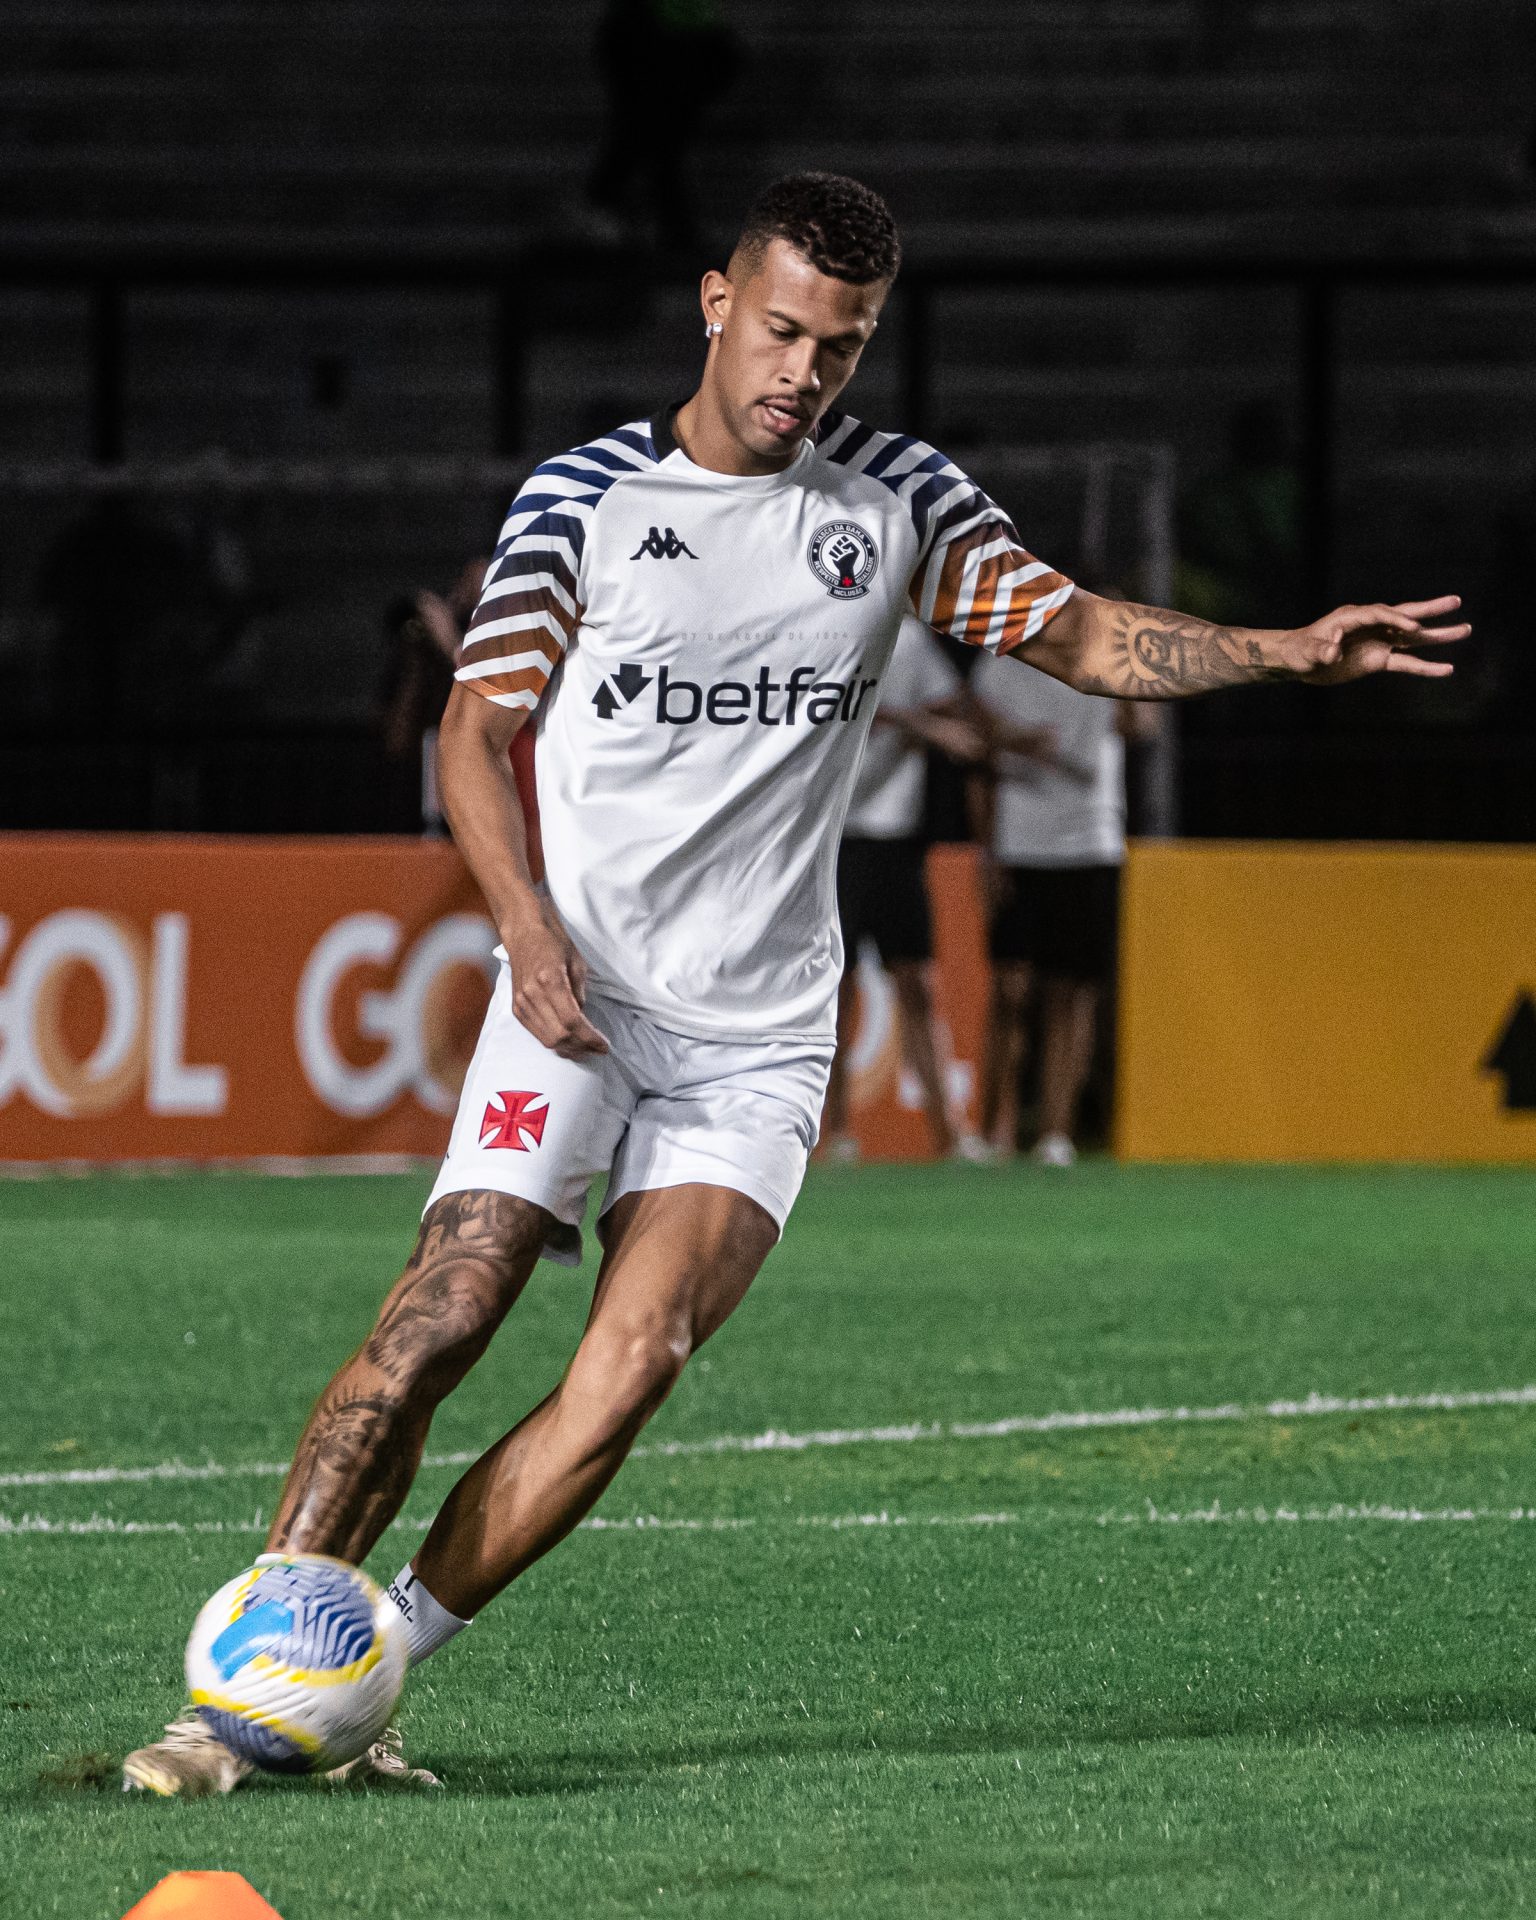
(882, 896)
(1061, 920)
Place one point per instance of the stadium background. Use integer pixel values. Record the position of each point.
(1233, 305)
(1231, 302)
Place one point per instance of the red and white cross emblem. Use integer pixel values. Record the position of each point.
(507, 1120)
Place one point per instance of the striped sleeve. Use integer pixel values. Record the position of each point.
(974, 579)
(531, 603)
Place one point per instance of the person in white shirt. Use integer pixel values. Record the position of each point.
(882, 896)
(697, 610)
(1056, 838)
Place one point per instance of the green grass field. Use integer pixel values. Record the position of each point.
(1272, 1663)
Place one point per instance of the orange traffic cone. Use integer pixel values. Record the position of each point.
(203, 1896)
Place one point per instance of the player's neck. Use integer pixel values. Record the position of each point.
(699, 428)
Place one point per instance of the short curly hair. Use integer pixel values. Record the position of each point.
(841, 226)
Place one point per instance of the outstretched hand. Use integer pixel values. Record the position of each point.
(1351, 642)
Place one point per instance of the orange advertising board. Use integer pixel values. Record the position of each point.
(210, 998)
(185, 998)
(884, 1102)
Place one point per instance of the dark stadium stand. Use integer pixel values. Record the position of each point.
(1124, 220)
(269, 117)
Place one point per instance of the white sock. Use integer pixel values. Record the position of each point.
(428, 1625)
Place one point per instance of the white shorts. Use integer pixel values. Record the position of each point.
(659, 1109)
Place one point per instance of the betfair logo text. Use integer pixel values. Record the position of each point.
(732, 703)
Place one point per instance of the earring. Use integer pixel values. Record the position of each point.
(711, 330)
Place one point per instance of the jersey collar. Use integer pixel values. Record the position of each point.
(678, 465)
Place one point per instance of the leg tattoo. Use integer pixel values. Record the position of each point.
(359, 1453)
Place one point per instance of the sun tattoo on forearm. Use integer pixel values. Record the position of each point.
(1154, 654)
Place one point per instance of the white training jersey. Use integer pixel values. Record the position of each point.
(1070, 811)
(705, 652)
(893, 775)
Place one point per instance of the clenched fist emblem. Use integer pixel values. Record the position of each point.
(845, 557)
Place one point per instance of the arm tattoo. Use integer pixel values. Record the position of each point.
(1153, 654)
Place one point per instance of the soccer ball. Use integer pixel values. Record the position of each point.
(297, 1664)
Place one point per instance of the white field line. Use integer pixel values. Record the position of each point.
(15, 1526)
(775, 1441)
(1218, 1515)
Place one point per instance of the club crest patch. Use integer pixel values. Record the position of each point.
(844, 558)
(512, 1120)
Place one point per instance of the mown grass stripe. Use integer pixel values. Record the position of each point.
(1313, 1406)
(15, 1526)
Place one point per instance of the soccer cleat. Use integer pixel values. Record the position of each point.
(188, 1763)
(1054, 1150)
(383, 1765)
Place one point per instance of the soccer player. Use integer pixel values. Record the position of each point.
(882, 894)
(697, 609)
(1056, 837)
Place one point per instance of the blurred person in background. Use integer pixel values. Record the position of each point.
(1052, 816)
(882, 895)
(663, 64)
(147, 605)
(424, 632)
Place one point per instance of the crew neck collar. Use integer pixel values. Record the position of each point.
(669, 453)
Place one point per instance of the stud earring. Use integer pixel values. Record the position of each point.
(711, 330)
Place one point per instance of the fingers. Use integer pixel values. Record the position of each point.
(583, 1040)
(550, 1011)
(1429, 609)
(1425, 669)
(586, 1038)
(1352, 619)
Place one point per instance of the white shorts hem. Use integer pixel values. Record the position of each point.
(686, 1173)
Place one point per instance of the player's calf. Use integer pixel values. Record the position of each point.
(678, 1262)
(359, 1453)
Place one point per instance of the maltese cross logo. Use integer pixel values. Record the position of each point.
(507, 1119)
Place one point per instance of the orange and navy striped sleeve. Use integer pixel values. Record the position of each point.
(531, 603)
(974, 578)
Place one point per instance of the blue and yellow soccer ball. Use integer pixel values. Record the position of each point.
(297, 1664)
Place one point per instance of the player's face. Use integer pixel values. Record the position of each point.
(789, 342)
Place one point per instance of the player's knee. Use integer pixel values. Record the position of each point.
(431, 1344)
(651, 1358)
(638, 1362)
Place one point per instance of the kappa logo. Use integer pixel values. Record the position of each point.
(662, 546)
(844, 558)
(508, 1118)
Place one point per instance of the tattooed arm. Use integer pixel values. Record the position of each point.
(1148, 653)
